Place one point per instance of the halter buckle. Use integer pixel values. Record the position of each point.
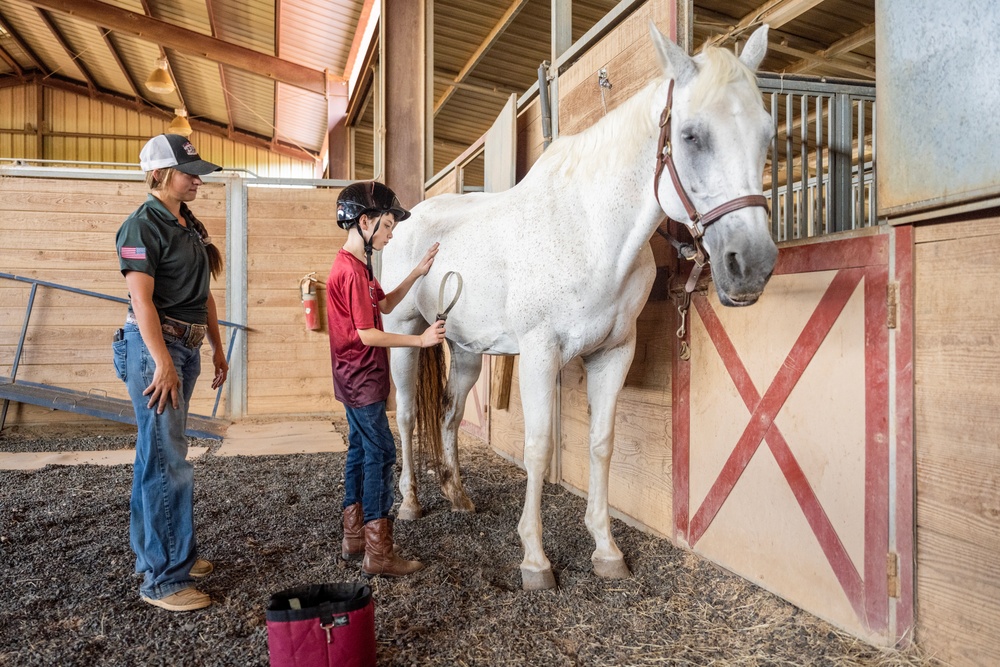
(665, 116)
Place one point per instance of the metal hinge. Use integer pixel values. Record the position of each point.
(892, 574)
(892, 304)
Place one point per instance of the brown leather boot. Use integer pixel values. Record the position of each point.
(380, 555)
(353, 546)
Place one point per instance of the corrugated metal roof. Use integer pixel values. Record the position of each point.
(831, 38)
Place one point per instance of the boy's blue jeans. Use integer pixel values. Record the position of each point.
(371, 455)
(161, 527)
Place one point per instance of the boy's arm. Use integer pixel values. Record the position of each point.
(393, 298)
(431, 336)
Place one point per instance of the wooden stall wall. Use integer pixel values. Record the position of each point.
(957, 431)
(291, 232)
(640, 482)
(63, 231)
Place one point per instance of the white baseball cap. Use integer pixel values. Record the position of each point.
(173, 150)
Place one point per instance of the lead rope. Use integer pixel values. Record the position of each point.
(442, 309)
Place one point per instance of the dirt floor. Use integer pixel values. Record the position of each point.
(68, 595)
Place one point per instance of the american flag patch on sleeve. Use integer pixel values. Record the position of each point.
(129, 252)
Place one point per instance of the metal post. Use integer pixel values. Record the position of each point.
(236, 292)
(840, 164)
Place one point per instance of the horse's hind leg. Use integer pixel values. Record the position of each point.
(606, 370)
(465, 369)
(403, 362)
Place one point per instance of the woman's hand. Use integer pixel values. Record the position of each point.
(221, 368)
(166, 385)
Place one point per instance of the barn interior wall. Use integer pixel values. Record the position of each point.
(290, 234)
(957, 428)
(63, 231)
(77, 128)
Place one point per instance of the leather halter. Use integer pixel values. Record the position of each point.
(698, 222)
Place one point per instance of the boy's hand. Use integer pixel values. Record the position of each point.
(428, 261)
(433, 335)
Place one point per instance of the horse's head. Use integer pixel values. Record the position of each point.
(714, 146)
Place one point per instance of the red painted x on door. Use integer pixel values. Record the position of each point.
(781, 456)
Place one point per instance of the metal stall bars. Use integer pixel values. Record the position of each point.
(93, 404)
(820, 174)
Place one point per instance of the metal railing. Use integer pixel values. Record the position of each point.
(35, 283)
(822, 167)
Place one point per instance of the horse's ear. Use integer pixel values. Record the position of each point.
(675, 64)
(755, 48)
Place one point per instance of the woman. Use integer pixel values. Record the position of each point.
(168, 260)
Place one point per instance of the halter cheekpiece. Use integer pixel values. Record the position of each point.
(698, 222)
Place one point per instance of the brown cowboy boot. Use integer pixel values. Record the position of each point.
(380, 555)
(353, 546)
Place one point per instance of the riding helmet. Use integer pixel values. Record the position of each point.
(367, 197)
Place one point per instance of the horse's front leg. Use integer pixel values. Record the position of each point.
(606, 370)
(403, 362)
(539, 366)
(465, 369)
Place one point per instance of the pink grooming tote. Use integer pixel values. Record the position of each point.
(323, 625)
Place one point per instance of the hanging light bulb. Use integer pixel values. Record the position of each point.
(159, 81)
(180, 125)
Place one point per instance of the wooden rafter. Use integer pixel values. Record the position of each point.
(865, 69)
(189, 41)
(775, 13)
(501, 26)
(61, 40)
(210, 7)
(9, 59)
(106, 36)
(842, 46)
(21, 44)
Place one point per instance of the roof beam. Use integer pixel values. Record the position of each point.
(815, 60)
(222, 70)
(9, 59)
(75, 57)
(188, 41)
(829, 55)
(106, 35)
(498, 30)
(21, 44)
(775, 13)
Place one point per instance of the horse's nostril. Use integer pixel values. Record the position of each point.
(734, 265)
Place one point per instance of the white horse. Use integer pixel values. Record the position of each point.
(560, 265)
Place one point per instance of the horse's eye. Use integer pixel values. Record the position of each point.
(690, 138)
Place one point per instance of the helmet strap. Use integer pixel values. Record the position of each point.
(368, 244)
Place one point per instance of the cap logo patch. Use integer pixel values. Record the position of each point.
(189, 149)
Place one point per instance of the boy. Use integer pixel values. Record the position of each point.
(355, 303)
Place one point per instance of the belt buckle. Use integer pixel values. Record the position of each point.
(195, 335)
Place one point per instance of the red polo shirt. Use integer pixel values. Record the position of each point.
(360, 372)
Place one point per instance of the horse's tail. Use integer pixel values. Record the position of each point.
(430, 404)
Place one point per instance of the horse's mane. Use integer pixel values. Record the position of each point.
(613, 141)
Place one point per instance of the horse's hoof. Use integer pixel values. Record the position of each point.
(409, 512)
(611, 569)
(537, 581)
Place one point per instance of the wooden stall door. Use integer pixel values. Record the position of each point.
(781, 434)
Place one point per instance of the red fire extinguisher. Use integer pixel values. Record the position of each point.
(309, 302)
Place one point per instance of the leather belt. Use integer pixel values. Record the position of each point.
(190, 335)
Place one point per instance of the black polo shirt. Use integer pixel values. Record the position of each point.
(152, 241)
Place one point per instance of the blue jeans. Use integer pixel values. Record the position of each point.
(161, 527)
(371, 455)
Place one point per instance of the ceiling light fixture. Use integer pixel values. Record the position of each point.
(180, 125)
(159, 81)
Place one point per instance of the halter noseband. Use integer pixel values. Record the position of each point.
(698, 224)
